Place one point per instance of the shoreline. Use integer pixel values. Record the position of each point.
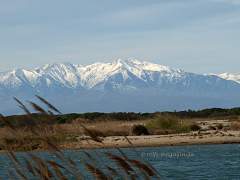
(170, 140)
(155, 141)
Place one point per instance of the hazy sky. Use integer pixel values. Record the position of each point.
(195, 35)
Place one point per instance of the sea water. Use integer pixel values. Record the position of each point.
(174, 162)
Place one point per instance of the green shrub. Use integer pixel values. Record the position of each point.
(220, 126)
(61, 120)
(163, 122)
(139, 130)
(168, 123)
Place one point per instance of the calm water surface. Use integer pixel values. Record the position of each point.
(182, 162)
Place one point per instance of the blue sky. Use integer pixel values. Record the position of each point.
(196, 35)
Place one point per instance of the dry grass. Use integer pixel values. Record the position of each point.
(235, 125)
(105, 127)
(61, 133)
(111, 128)
(48, 136)
(29, 138)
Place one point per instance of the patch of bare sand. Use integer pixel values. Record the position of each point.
(206, 137)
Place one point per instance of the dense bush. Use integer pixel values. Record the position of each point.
(164, 122)
(139, 130)
(205, 113)
(21, 120)
(220, 126)
(61, 120)
(169, 123)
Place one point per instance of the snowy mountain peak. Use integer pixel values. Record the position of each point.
(121, 73)
(143, 65)
(72, 76)
(229, 76)
(120, 85)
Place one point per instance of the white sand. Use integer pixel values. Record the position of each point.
(207, 137)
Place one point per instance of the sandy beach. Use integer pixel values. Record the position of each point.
(208, 137)
(112, 134)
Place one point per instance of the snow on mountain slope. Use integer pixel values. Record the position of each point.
(62, 73)
(72, 76)
(119, 74)
(99, 73)
(121, 85)
(232, 77)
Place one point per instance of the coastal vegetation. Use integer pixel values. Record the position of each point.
(69, 128)
(33, 133)
(51, 131)
(214, 113)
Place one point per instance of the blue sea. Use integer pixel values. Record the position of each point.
(174, 162)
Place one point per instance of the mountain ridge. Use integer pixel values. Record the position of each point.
(120, 85)
(89, 75)
(69, 74)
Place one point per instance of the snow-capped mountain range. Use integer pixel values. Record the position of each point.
(122, 85)
(89, 77)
